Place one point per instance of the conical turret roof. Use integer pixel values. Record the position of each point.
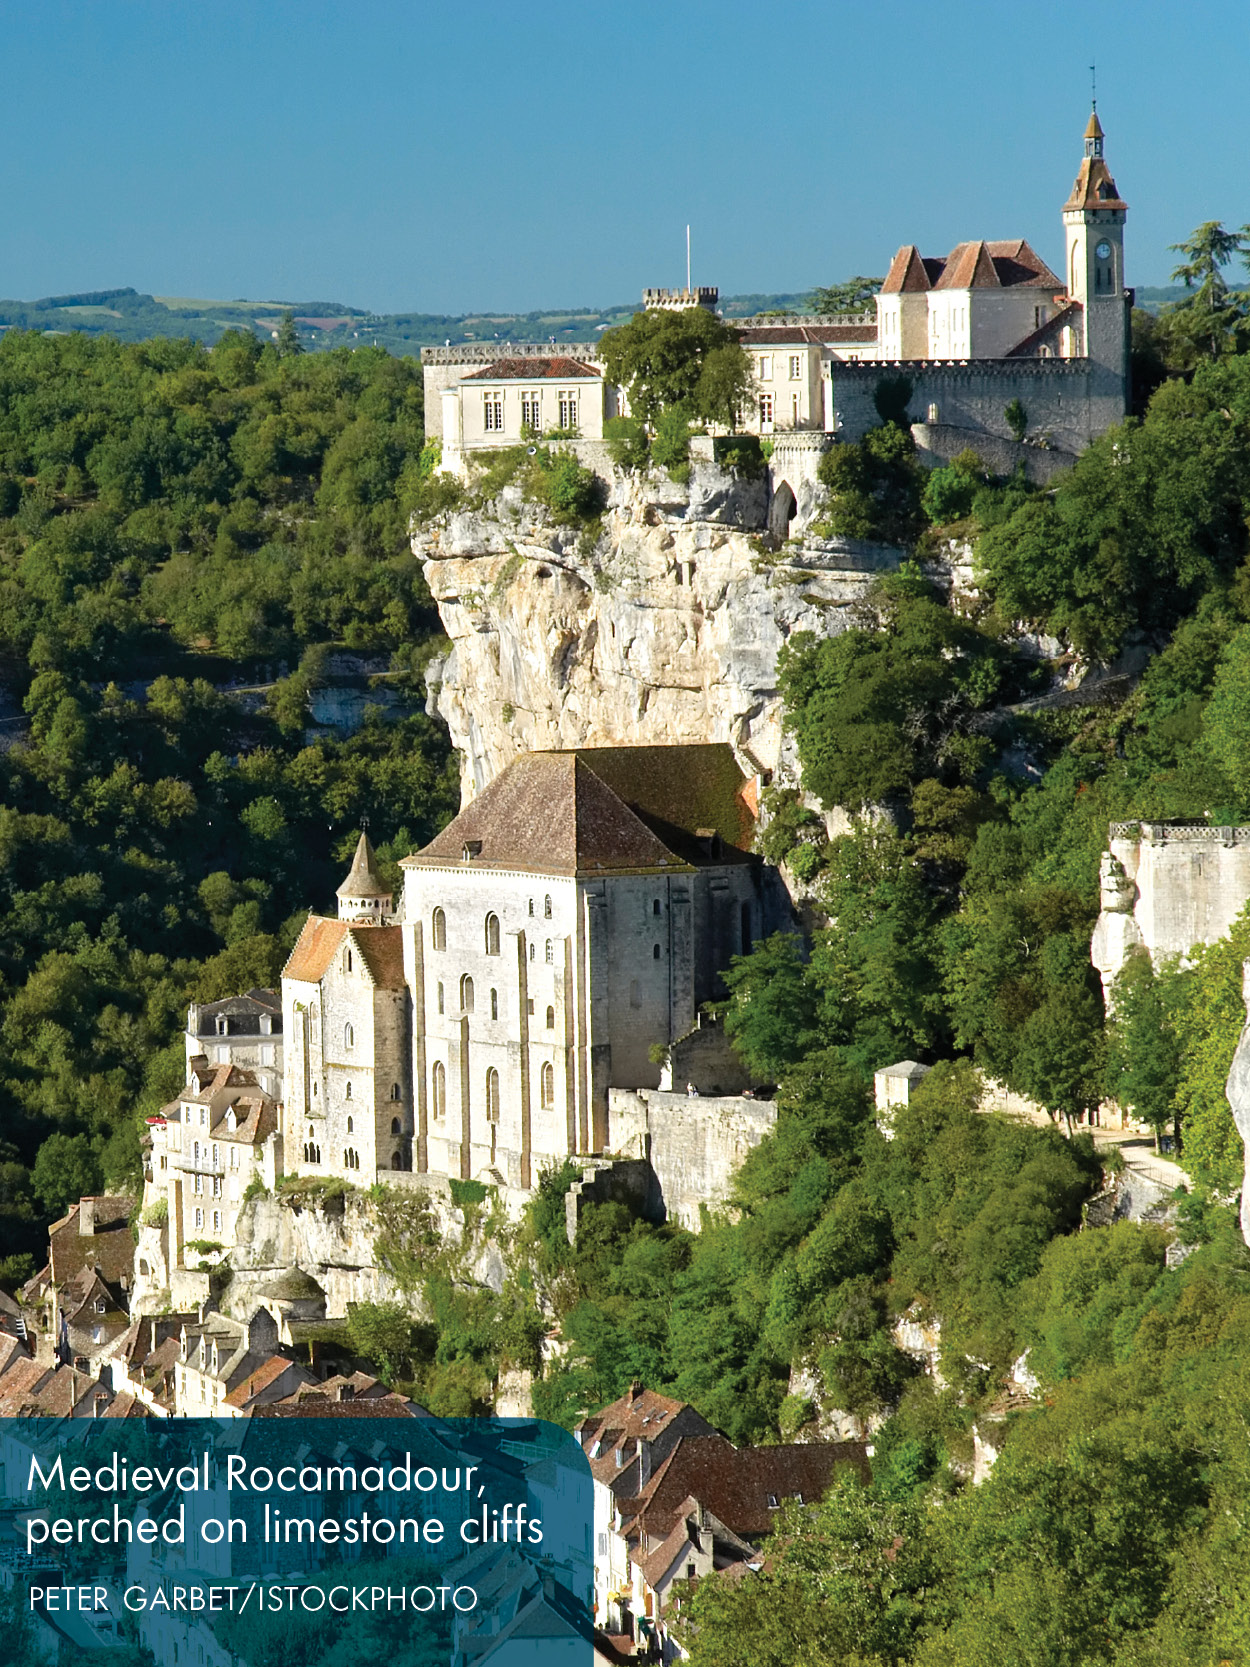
(363, 880)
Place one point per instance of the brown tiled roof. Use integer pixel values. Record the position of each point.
(126, 1405)
(736, 1483)
(363, 879)
(259, 1380)
(1017, 264)
(550, 813)
(314, 1406)
(638, 1412)
(110, 1248)
(381, 949)
(775, 335)
(969, 267)
(1094, 187)
(910, 273)
(533, 370)
(679, 790)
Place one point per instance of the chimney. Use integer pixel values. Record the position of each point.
(86, 1218)
(98, 1403)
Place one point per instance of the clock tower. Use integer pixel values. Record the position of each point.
(1093, 220)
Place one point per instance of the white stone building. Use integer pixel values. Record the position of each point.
(567, 926)
(240, 1030)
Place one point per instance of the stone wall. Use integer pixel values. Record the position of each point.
(938, 443)
(1070, 401)
(695, 1145)
(1166, 889)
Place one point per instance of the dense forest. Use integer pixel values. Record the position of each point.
(174, 520)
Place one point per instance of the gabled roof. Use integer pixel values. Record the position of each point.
(910, 273)
(1049, 333)
(380, 948)
(549, 813)
(363, 879)
(534, 370)
(254, 1003)
(1009, 263)
(110, 1248)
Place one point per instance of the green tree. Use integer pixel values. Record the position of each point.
(1144, 1056)
(770, 1012)
(855, 295)
(660, 358)
(66, 1169)
(288, 342)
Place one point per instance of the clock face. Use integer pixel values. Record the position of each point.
(1103, 251)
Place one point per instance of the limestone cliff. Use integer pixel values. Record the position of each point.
(664, 627)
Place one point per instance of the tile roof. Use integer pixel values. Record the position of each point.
(910, 273)
(381, 949)
(550, 813)
(254, 1002)
(315, 1406)
(597, 810)
(110, 1248)
(261, 1379)
(1004, 264)
(1094, 187)
(771, 335)
(534, 370)
(737, 1483)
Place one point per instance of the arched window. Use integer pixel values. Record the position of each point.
(439, 1094)
(196, 1154)
(494, 1004)
(310, 1131)
(394, 1091)
(438, 928)
(531, 908)
(551, 1018)
(655, 952)
(440, 997)
(349, 1037)
(492, 934)
(492, 1095)
(547, 907)
(531, 952)
(466, 994)
(347, 960)
(347, 1092)
(313, 1014)
(548, 1085)
(395, 1128)
(397, 1162)
(551, 953)
(351, 1126)
(214, 1154)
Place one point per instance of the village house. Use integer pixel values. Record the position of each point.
(78, 1305)
(239, 1030)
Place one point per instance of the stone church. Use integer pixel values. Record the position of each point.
(566, 926)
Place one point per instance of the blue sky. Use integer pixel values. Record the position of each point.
(477, 154)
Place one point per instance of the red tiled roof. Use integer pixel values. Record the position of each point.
(534, 370)
(381, 949)
(736, 1483)
(909, 272)
(258, 1381)
(772, 335)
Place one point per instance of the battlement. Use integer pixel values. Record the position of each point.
(677, 300)
(1042, 370)
(806, 321)
(485, 353)
(1180, 833)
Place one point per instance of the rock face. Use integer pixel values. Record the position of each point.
(665, 628)
(1238, 1091)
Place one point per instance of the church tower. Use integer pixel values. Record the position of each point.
(1093, 220)
(364, 897)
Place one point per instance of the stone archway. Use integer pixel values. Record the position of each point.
(781, 511)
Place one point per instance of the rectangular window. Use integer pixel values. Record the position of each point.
(796, 367)
(199, 1182)
(568, 410)
(531, 409)
(216, 1221)
(216, 1186)
(796, 412)
(199, 1218)
(492, 413)
(766, 367)
(766, 408)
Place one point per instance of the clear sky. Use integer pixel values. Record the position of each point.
(405, 155)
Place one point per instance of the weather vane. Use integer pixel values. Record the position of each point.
(1093, 85)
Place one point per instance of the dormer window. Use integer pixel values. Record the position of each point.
(101, 1307)
(266, 1025)
(472, 848)
(773, 1502)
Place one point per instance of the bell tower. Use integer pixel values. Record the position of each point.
(1093, 222)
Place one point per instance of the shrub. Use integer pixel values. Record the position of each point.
(1017, 419)
(570, 492)
(627, 442)
(671, 445)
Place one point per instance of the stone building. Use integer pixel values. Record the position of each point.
(241, 1030)
(970, 332)
(207, 1147)
(1166, 888)
(78, 1305)
(345, 1002)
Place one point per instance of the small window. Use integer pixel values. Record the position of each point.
(466, 994)
(347, 960)
(551, 1018)
(351, 1125)
(439, 1094)
(347, 1092)
(397, 1161)
(395, 1128)
(531, 908)
(438, 929)
(395, 1091)
(766, 367)
(492, 934)
(199, 1218)
(532, 952)
(550, 956)
(655, 907)
(547, 908)
(492, 412)
(655, 952)
(216, 1221)
(548, 1082)
(440, 998)
(492, 1095)
(494, 1004)
(689, 1571)
(772, 1502)
(796, 366)
(101, 1307)
(349, 1037)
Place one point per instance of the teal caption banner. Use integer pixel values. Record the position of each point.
(280, 1541)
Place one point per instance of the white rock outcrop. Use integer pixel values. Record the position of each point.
(1238, 1091)
(665, 628)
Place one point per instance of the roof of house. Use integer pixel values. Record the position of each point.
(251, 1005)
(534, 370)
(262, 1378)
(599, 810)
(738, 1484)
(380, 948)
(1005, 264)
(110, 1248)
(311, 1405)
(778, 335)
(1050, 332)
(363, 879)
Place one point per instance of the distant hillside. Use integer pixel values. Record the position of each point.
(131, 316)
